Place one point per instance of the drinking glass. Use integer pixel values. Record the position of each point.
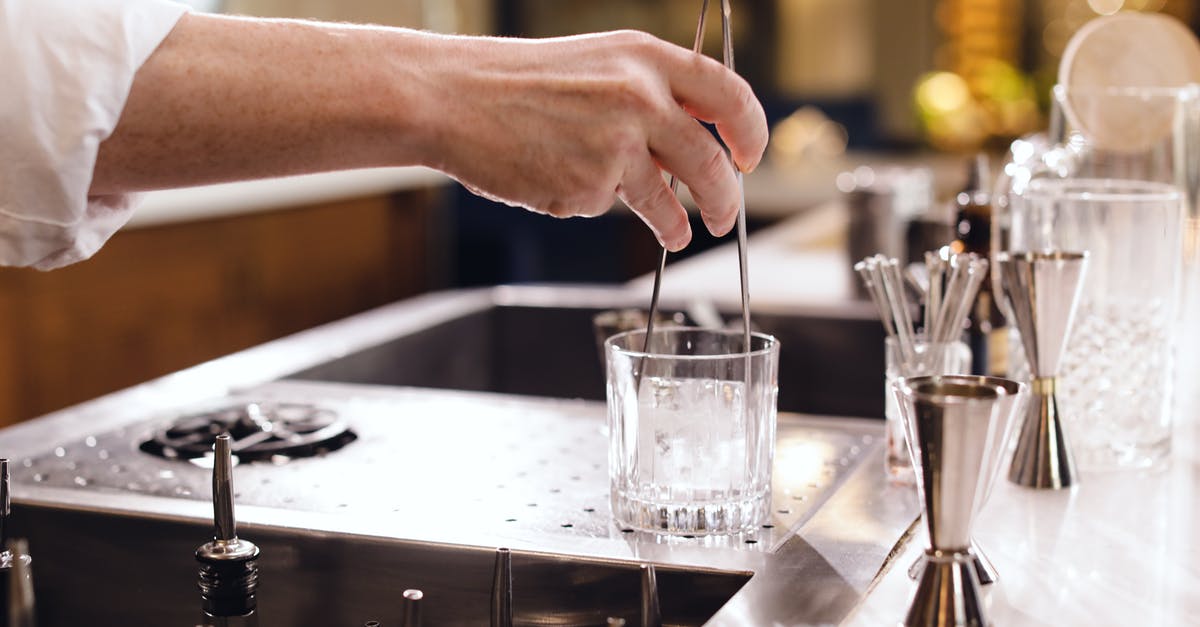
(933, 358)
(691, 430)
(1117, 373)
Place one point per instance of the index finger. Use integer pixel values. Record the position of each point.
(712, 93)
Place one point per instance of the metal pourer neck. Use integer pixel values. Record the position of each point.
(228, 570)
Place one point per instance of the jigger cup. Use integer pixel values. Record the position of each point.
(954, 424)
(1042, 290)
(1009, 405)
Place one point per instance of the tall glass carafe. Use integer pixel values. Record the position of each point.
(1112, 175)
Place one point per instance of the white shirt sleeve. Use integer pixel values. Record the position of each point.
(66, 68)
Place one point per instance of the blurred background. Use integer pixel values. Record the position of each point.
(202, 273)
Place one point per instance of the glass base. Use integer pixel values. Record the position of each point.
(694, 519)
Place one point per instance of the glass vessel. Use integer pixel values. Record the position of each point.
(1112, 177)
(691, 430)
(933, 358)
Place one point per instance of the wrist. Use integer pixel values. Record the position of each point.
(419, 106)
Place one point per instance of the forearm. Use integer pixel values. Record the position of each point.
(559, 126)
(228, 98)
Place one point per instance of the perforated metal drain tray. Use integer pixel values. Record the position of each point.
(509, 465)
(439, 467)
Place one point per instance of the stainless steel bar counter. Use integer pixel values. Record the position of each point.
(433, 475)
(454, 457)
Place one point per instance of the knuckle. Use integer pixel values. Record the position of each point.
(656, 198)
(638, 41)
(636, 94)
(623, 144)
(714, 167)
(743, 95)
(557, 208)
(679, 222)
(595, 203)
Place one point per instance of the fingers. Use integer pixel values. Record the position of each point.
(683, 147)
(714, 94)
(647, 194)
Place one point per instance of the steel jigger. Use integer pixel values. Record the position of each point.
(953, 423)
(1042, 290)
(1009, 405)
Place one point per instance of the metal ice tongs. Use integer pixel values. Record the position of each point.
(727, 52)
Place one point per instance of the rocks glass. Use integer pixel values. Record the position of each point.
(691, 430)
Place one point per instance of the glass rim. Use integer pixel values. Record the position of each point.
(1060, 90)
(1155, 191)
(772, 344)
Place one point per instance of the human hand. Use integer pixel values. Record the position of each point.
(561, 126)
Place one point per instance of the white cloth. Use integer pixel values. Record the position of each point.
(66, 68)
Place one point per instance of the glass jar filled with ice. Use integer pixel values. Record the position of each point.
(691, 429)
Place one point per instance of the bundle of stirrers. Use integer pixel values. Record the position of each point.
(948, 287)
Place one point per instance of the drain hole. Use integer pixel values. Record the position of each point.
(566, 525)
(785, 511)
(510, 520)
(589, 509)
(688, 536)
(751, 541)
(768, 526)
(532, 505)
(627, 530)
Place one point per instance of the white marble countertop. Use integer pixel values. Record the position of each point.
(1119, 549)
(229, 199)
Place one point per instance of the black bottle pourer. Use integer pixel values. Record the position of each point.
(16, 575)
(228, 570)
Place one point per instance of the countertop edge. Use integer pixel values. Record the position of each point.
(243, 197)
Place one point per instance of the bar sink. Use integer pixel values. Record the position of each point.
(522, 342)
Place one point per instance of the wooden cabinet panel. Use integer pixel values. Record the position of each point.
(158, 299)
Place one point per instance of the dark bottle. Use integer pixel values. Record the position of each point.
(985, 335)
